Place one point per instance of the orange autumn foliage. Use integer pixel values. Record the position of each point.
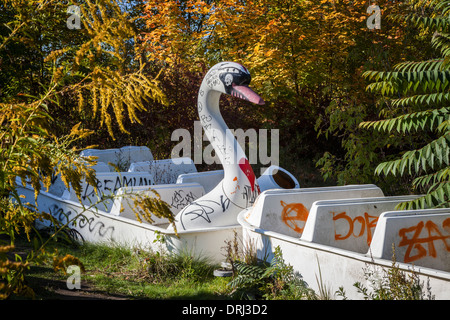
(287, 44)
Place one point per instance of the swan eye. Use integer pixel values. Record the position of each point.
(228, 79)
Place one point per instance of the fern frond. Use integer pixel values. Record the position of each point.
(435, 154)
(441, 41)
(420, 84)
(243, 268)
(426, 81)
(434, 23)
(431, 120)
(432, 178)
(247, 274)
(413, 66)
(431, 99)
(438, 197)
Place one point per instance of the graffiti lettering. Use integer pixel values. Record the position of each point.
(53, 178)
(212, 78)
(225, 202)
(201, 209)
(92, 225)
(81, 222)
(367, 223)
(294, 215)
(415, 241)
(59, 214)
(250, 194)
(181, 199)
(106, 184)
(205, 118)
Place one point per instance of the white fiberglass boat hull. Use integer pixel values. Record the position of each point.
(98, 226)
(327, 267)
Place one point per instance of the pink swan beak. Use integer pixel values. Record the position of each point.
(246, 93)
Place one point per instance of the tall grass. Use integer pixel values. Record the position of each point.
(141, 273)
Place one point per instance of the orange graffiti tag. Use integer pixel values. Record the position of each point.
(237, 187)
(293, 215)
(415, 242)
(367, 223)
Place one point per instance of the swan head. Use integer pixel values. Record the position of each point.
(232, 78)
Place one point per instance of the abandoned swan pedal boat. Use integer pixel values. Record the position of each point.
(205, 214)
(332, 233)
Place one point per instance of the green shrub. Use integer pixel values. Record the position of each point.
(268, 281)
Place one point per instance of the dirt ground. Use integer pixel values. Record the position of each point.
(57, 290)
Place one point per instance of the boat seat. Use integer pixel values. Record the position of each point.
(101, 167)
(165, 171)
(120, 157)
(349, 223)
(419, 237)
(177, 196)
(107, 185)
(208, 179)
(285, 211)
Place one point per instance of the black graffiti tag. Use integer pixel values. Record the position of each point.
(249, 196)
(181, 199)
(107, 184)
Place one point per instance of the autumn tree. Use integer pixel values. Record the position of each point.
(93, 71)
(416, 98)
(361, 151)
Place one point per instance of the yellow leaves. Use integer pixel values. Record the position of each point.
(62, 263)
(78, 133)
(175, 28)
(55, 54)
(6, 249)
(8, 265)
(12, 275)
(33, 155)
(149, 203)
(80, 101)
(205, 10)
(108, 29)
(94, 92)
(16, 218)
(111, 90)
(113, 93)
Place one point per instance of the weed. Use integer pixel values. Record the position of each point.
(393, 284)
(183, 265)
(324, 290)
(268, 281)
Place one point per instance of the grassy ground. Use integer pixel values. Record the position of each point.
(123, 273)
(115, 272)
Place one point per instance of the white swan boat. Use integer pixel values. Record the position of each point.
(334, 241)
(205, 205)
